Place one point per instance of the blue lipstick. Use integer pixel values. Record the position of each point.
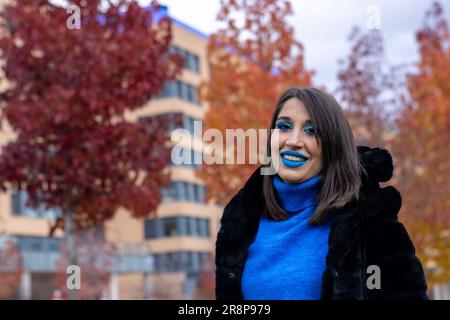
(292, 163)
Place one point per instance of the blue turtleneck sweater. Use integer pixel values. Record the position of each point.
(287, 258)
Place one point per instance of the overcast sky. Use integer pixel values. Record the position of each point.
(323, 27)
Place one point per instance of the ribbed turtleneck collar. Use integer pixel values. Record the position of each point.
(294, 197)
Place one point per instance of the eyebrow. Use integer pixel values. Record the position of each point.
(308, 121)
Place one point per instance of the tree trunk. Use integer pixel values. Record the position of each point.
(69, 233)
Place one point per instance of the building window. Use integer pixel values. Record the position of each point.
(184, 191)
(195, 266)
(170, 227)
(192, 63)
(169, 261)
(190, 192)
(157, 262)
(19, 201)
(184, 260)
(182, 226)
(167, 195)
(191, 60)
(208, 232)
(199, 193)
(38, 244)
(150, 229)
(187, 261)
(180, 89)
(193, 226)
(189, 229)
(189, 124)
(180, 191)
(203, 227)
(178, 226)
(168, 90)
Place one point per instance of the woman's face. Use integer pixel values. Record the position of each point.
(297, 155)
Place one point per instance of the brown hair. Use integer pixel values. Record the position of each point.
(340, 179)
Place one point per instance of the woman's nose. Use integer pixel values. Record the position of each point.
(295, 140)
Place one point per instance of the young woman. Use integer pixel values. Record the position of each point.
(320, 227)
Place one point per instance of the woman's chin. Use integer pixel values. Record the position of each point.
(289, 177)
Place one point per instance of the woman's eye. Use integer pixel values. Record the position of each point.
(284, 126)
(310, 130)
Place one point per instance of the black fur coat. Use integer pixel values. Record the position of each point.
(363, 233)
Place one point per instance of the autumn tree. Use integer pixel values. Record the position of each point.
(96, 257)
(69, 92)
(254, 57)
(421, 147)
(363, 82)
(11, 267)
(206, 280)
